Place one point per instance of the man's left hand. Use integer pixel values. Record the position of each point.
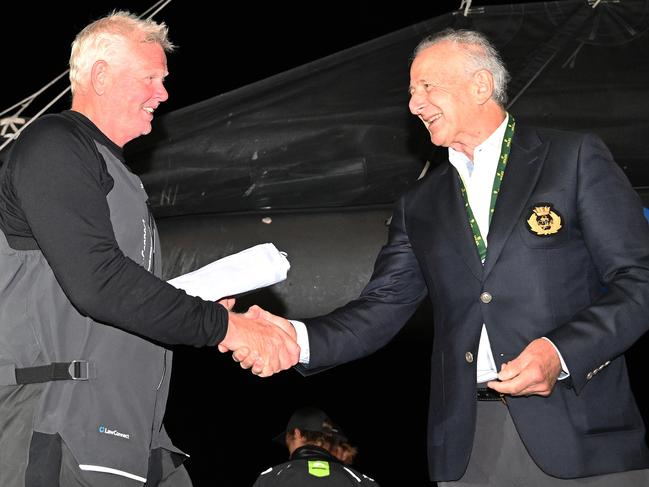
(534, 371)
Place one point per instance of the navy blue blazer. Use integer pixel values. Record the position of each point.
(584, 285)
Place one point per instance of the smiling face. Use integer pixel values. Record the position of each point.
(452, 100)
(134, 87)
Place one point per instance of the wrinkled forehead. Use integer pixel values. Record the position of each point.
(140, 54)
(441, 61)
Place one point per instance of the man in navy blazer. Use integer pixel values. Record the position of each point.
(533, 248)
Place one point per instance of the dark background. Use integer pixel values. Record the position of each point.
(224, 417)
(220, 46)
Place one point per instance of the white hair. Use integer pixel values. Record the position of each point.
(103, 38)
(481, 55)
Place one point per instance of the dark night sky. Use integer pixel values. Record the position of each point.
(220, 48)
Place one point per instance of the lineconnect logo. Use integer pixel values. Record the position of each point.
(108, 431)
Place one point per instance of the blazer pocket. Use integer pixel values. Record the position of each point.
(603, 407)
(546, 221)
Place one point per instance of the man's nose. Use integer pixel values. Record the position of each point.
(416, 107)
(161, 93)
(416, 104)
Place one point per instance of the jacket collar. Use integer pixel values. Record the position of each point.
(308, 452)
(526, 159)
(522, 172)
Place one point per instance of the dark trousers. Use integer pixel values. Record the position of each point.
(499, 459)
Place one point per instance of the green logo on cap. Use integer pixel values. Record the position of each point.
(318, 468)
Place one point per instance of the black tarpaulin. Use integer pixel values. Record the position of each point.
(337, 132)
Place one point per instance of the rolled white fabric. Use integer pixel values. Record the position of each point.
(250, 269)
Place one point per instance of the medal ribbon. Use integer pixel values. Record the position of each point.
(498, 178)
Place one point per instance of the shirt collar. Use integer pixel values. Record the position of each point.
(491, 144)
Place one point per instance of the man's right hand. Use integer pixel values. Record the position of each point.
(259, 344)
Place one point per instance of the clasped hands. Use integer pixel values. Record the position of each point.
(260, 341)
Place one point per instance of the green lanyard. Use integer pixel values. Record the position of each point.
(498, 178)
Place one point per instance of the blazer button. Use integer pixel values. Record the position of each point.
(486, 297)
(469, 357)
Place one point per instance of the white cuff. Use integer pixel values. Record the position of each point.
(564, 368)
(302, 340)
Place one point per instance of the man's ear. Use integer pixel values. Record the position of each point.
(297, 434)
(99, 77)
(483, 83)
(292, 435)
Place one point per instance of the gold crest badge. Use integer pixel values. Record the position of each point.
(544, 220)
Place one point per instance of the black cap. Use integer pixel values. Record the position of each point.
(311, 419)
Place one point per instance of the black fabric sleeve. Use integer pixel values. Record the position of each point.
(59, 182)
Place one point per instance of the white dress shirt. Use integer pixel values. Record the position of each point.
(478, 176)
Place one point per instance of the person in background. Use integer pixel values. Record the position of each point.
(320, 455)
(84, 375)
(532, 247)
(344, 452)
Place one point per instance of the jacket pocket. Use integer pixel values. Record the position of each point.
(18, 341)
(546, 221)
(606, 405)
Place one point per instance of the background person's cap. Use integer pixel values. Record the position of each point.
(311, 419)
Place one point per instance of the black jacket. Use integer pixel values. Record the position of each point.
(311, 465)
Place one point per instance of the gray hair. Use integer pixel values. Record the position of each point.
(480, 53)
(102, 39)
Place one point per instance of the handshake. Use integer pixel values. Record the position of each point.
(260, 341)
(257, 339)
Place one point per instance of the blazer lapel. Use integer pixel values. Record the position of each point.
(449, 204)
(522, 173)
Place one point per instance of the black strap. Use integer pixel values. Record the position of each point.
(75, 370)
